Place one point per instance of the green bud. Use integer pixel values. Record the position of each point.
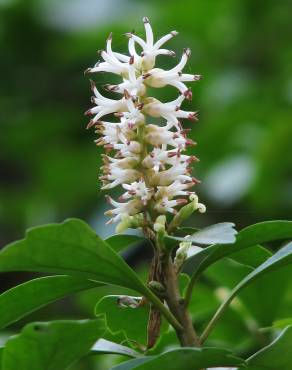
(130, 222)
(160, 222)
(182, 254)
(159, 228)
(186, 211)
(156, 286)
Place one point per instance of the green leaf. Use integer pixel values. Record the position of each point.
(262, 298)
(183, 231)
(25, 298)
(280, 259)
(171, 242)
(51, 346)
(233, 332)
(183, 281)
(248, 237)
(282, 323)
(105, 346)
(184, 359)
(72, 248)
(204, 303)
(265, 296)
(275, 356)
(252, 256)
(122, 317)
(133, 364)
(223, 233)
(123, 241)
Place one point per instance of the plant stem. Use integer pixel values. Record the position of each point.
(187, 336)
(215, 318)
(189, 290)
(163, 309)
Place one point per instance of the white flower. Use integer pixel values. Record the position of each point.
(147, 160)
(169, 111)
(159, 78)
(130, 208)
(156, 136)
(150, 50)
(119, 176)
(113, 132)
(138, 189)
(104, 106)
(177, 188)
(159, 158)
(133, 116)
(164, 205)
(124, 163)
(131, 83)
(113, 62)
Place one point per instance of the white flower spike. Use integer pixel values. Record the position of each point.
(146, 159)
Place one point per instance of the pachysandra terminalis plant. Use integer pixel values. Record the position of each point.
(146, 157)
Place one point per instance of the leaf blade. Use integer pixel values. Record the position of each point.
(251, 235)
(277, 355)
(185, 359)
(120, 242)
(103, 346)
(223, 233)
(281, 258)
(121, 318)
(72, 248)
(51, 346)
(25, 298)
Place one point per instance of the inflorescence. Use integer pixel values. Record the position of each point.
(146, 159)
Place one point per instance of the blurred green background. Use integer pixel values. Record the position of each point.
(49, 163)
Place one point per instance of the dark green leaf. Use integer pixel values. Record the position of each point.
(252, 256)
(223, 233)
(184, 359)
(28, 297)
(280, 259)
(233, 332)
(204, 303)
(120, 242)
(248, 237)
(262, 298)
(275, 356)
(72, 248)
(106, 346)
(121, 316)
(183, 231)
(51, 346)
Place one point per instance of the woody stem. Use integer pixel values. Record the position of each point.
(186, 334)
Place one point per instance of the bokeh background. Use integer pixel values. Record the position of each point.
(49, 163)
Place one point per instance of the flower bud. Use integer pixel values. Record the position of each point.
(186, 211)
(159, 224)
(156, 286)
(129, 222)
(182, 253)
